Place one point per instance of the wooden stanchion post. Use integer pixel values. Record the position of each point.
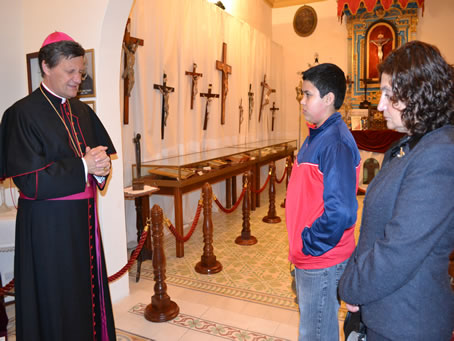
(271, 217)
(246, 238)
(208, 263)
(161, 308)
(288, 165)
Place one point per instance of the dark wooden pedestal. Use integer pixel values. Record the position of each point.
(141, 199)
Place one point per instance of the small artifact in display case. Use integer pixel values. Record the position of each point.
(217, 163)
(183, 174)
(238, 158)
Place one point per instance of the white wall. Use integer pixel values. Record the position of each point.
(329, 40)
(435, 26)
(95, 24)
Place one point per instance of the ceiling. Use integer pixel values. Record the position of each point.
(287, 3)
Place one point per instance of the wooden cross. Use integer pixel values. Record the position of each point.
(222, 66)
(209, 96)
(165, 90)
(266, 100)
(273, 109)
(251, 101)
(130, 44)
(195, 77)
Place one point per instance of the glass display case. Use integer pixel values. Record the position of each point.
(183, 168)
(184, 173)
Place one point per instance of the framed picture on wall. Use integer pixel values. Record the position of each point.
(91, 104)
(87, 88)
(33, 72)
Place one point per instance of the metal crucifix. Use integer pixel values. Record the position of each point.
(165, 91)
(273, 110)
(209, 96)
(241, 118)
(251, 101)
(265, 99)
(222, 66)
(195, 77)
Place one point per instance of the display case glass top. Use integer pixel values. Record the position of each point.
(184, 166)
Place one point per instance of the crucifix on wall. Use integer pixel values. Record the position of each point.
(209, 96)
(266, 92)
(130, 45)
(165, 92)
(195, 77)
(226, 69)
(273, 115)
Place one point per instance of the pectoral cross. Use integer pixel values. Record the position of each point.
(266, 100)
(251, 101)
(195, 77)
(130, 44)
(241, 114)
(165, 91)
(209, 96)
(273, 109)
(222, 66)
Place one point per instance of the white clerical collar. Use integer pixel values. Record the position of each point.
(63, 100)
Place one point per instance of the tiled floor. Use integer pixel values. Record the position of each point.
(248, 318)
(204, 315)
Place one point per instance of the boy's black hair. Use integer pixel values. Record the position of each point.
(328, 78)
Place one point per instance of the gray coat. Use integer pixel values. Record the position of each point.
(398, 273)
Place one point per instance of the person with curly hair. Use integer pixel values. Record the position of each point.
(398, 275)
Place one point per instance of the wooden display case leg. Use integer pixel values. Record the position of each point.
(257, 186)
(228, 192)
(234, 197)
(178, 201)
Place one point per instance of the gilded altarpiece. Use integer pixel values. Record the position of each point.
(371, 37)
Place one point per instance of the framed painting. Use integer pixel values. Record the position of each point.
(87, 88)
(33, 72)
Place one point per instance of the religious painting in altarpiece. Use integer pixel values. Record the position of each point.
(371, 37)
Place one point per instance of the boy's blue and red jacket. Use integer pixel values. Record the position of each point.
(321, 206)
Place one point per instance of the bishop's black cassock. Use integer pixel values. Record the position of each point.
(60, 275)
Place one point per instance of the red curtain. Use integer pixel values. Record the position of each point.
(353, 5)
(377, 141)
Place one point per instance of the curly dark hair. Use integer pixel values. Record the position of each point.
(54, 52)
(424, 82)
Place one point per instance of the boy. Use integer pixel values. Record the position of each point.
(321, 203)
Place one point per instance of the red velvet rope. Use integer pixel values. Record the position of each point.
(134, 256)
(191, 231)
(5, 290)
(230, 210)
(283, 176)
(263, 187)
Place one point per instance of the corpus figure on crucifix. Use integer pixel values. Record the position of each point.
(241, 114)
(226, 69)
(195, 77)
(265, 95)
(380, 42)
(209, 96)
(130, 45)
(128, 72)
(165, 91)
